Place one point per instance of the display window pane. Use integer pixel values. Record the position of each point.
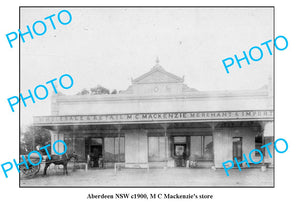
(122, 149)
(69, 142)
(201, 148)
(208, 148)
(153, 148)
(109, 149)
(196, 147)
(114, 150)
(80, 148)
(162, 148)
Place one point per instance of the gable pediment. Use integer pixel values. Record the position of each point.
(158, 82)
(157, 75)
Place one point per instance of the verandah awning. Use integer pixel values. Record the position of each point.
(159, 117)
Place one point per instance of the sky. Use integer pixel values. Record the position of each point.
(110, 46)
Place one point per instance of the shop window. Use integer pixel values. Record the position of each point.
(59, 147)
(69, 141)
(109, 149)
(201, 148)
(114, 150)
(80, 148)
(157, 149)
(120, 145)
(258, 144)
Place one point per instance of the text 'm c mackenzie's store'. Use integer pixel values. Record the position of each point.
(161, 122)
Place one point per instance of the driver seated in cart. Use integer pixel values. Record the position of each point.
(43, 153)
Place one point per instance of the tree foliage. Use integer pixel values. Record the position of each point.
(83, 92)
(97, 90)
(32, 137)
(114, 91)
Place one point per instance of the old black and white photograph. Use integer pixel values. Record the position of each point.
(147, 96)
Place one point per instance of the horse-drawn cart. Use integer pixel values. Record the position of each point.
(55, 159)
(32, 170)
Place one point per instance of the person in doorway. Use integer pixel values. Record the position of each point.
(184, 156)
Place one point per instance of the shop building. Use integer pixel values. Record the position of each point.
(161, 122)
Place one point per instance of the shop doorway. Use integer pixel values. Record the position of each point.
(237, 151)
(96, 153)
(180, 150)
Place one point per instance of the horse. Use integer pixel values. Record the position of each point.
(60, 160)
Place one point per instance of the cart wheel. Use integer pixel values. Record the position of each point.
(33, 170)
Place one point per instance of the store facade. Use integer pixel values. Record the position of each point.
(161, 122)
